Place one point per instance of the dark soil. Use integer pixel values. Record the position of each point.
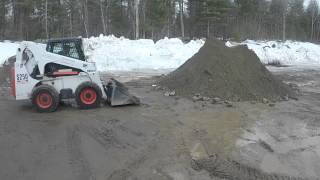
(229, 73)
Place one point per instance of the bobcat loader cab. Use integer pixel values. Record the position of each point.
(49, 74)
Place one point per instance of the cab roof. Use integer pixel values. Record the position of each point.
(78, 39)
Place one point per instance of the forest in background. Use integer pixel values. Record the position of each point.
(156, 19)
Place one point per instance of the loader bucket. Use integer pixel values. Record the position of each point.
(118, 94)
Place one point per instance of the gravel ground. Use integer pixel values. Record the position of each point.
(161, 138)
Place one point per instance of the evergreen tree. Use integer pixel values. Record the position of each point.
(296, 20)
(3, 21)
(213, 11)
(248, 7)
(241, 19)
(119, 21)
(156, 17)
(194, 23)
(278, 10)
(251, 18)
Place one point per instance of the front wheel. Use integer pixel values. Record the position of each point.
(45, 98)
(88, 95)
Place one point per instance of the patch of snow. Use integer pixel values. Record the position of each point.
(290, 53)
(232, 44)
(7, 50)
(121, 54)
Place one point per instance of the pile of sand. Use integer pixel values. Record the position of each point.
(229, 73)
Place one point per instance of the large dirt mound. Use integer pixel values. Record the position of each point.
(229, 73)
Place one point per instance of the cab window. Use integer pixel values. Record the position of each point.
(57, 48)
(68, 49)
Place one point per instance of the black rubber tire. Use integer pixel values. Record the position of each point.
(52, 92)
(94, 87)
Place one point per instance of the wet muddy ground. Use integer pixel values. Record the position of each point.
(164, 137)
(286, 139)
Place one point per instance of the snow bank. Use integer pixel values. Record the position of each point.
(120, 54)
(7, 50)
(289, 53)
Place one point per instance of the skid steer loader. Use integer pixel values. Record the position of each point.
(49, 74)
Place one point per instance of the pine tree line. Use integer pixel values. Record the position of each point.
(155, 19)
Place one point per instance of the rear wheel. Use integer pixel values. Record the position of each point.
(45, 98)
(88, 95)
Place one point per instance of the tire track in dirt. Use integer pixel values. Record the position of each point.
(109, 134)
(133, 164)
(105, 137)
(116, 135)
(122, 174)
(142, 155)
(225, 168)
(78, 162)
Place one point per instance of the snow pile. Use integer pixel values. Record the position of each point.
(288, 53)
(120, 54)
(7, 50)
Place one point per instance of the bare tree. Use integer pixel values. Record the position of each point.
(46, 19)
(181, 17)
(83, 11)
(137, 25)
(2, 18)
(284, 18)
(102, 2)
(318, 29)
(313, 11)
(143, 9)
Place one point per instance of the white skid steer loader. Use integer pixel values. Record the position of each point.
(49, 74)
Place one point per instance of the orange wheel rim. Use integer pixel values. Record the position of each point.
(88, 96)
(44, 100)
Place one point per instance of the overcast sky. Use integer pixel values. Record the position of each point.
(306, 2)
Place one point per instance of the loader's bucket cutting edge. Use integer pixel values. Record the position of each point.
(118, 94)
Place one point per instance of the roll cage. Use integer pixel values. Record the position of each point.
(69, 47)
